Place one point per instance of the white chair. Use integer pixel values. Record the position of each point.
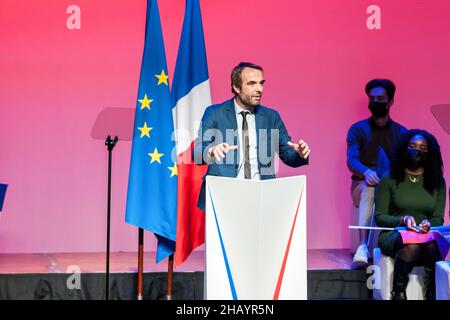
(383, 286)
(443, 280)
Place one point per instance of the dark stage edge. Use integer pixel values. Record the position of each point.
(322, 285)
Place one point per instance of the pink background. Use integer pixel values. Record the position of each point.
(318, 55)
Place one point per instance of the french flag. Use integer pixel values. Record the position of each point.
(191, 95)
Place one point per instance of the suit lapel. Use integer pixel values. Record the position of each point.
(231, 114)
(232, 124)
(260, 123)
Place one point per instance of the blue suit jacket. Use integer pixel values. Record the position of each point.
(219, 125)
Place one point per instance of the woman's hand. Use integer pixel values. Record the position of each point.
(410, 223)
(425, 226)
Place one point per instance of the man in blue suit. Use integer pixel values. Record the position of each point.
(239, 138)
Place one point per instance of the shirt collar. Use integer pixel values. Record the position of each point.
(238, 109)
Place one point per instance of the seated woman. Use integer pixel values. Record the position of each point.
(412, 195)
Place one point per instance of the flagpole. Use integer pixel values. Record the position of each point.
(169, 278)
(140, 264)
(110, 143)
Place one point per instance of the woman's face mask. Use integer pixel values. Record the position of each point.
(415, 158)
(417, 152)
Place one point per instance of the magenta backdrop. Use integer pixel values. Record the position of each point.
(318, 55)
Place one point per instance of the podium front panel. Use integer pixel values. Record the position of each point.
(255, 238)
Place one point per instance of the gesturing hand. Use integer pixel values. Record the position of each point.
(301, 148)
(220, 150)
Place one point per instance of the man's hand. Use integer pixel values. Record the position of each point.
(425, 226)
(301, 148)
(371, 177)
(220, 150)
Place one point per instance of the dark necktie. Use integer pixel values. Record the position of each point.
(245, 139)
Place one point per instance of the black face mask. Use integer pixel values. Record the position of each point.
(415, 159)
(378, 109)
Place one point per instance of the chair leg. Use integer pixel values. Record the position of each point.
(429, 282)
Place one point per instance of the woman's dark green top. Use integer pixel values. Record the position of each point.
(407, 198)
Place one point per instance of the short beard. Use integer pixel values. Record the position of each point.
(246, 102)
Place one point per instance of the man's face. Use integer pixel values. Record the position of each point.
(252, 87)
(379, 94)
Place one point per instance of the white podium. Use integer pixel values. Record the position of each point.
(255, 239)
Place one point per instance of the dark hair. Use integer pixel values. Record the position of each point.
(433, 168)
(236, 79)
(387, 84)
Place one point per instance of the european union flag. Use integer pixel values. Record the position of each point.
(152, 184)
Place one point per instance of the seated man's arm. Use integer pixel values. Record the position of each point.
(354, 163)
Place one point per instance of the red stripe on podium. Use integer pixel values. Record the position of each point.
(286, 254)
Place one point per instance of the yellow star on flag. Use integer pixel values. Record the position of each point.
(145, 131)
(174, 170)
(162, 78)
(145, 103)
(156, 156)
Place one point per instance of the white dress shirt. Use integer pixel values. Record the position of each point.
(252, 141)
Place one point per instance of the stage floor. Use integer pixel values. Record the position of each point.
(46, 275)
(126, 262)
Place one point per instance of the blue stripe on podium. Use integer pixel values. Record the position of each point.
(224, 253)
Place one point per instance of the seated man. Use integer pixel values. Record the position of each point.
(253, 133)
(370, 145)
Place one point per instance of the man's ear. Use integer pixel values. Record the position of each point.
(391, 102)
(236, 89)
